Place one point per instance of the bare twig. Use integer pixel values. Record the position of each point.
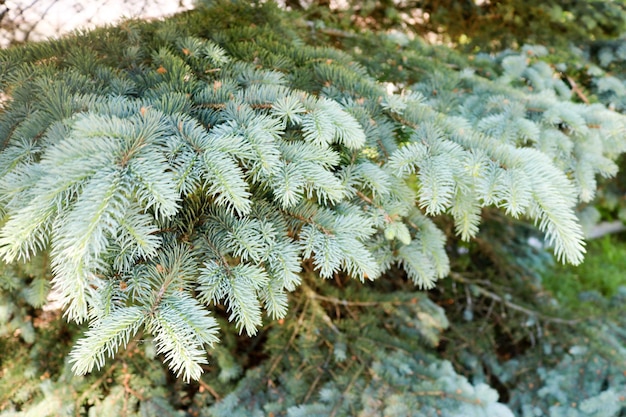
(606, 228)
(299, 324)
(348, 388)
(347, 303)
(577, 90)
(459, 278)
(210, 389)
(92, 387)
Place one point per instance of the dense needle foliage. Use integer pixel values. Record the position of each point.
(258, 202)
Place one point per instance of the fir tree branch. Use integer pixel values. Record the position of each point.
(369, 201)
(311, 222)
(348, 388)
(318, 377)
(398, 118)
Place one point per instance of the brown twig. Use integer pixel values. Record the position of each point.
(93, 386)
(459, 278)
(347, 303)
(291, 339)
(210, 389)
(577, 90)
(348, 388)
(317, 379)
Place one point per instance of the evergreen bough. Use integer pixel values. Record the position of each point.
(178, 168)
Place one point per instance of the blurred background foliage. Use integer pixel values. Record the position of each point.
(32, 20)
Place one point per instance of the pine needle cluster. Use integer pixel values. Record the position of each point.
(189, 175)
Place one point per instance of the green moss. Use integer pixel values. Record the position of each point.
(602, 273)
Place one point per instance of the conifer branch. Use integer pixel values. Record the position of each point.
(169, 167)
(312, 222)
(348, 388)
(320, 373)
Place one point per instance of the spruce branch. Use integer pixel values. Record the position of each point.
(112, 332)
(348, 388)
(171, 164)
